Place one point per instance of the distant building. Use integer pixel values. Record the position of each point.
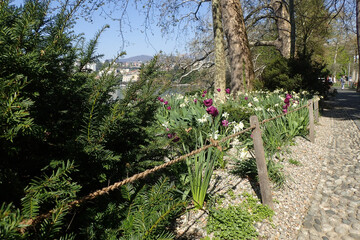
(90, 66)
(131, 76)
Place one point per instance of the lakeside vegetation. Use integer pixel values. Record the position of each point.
(63, 136)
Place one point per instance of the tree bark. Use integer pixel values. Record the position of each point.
(220, 60)
(282, 18)
(293, 32)
(358, 36)
(242, 70)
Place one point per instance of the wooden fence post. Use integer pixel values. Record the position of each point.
(316, 108)
(265, 190)
(311, 120)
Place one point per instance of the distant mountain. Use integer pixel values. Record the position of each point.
(140, 58)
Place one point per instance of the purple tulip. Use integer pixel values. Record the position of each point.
(225, 123)
(246, 98)
(170, 135)
(168, 108)
(203, 95)
(166, 103)
(208, 102)
(176, 139)
(288, 96)
(286, 100)
(204, 92)
(212, 111)
(284, 110)
(195, 100)
(227, 90)
(161, 100)
(219, 90)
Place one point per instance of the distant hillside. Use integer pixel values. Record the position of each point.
(140, 58)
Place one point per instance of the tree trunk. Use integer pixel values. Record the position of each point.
(358, 37)
(292, 24)
(335, 57)
(220, 61)
(242, 70)
(282, 18)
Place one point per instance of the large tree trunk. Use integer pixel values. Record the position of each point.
(292, 24)
(242, 70)
(282, 18)
(220, 61)
(358, 36)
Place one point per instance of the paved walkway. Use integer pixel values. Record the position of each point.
(335, 209)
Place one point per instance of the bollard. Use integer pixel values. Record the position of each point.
(265, 190)
(311, 120)
(316, 108)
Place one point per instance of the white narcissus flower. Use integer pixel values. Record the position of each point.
(238, 127)
(165, 124)
(235, 142)
(256, 99)
(179, 97)
(203, 119)
(244, 153)
(249, 105)
(182, 105)
(225, 115)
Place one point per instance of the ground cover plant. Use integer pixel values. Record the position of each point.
(236, 222)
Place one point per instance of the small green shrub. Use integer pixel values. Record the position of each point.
(237, 222)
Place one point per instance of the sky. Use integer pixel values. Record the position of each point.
(137, 42)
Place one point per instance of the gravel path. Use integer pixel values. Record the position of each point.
(321, 197)
(335, 209)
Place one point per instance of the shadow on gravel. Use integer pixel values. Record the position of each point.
(347, 100)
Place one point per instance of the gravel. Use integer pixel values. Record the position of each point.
(290, 202)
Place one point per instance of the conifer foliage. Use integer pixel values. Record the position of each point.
(63, 136)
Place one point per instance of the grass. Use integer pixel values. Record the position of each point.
(294, 162)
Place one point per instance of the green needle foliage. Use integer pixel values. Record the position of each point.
(144, 214)
(62, 135)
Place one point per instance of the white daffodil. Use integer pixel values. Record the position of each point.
(203, 119)
(179, 97)
(256, 99)
(182, 105)
(235, 142)
(165, 124)
(238, 127)
(249, 105)
(258, 109)
(214, 135)
(225, 115)
(244, 153)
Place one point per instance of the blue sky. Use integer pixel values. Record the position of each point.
(137, 43)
